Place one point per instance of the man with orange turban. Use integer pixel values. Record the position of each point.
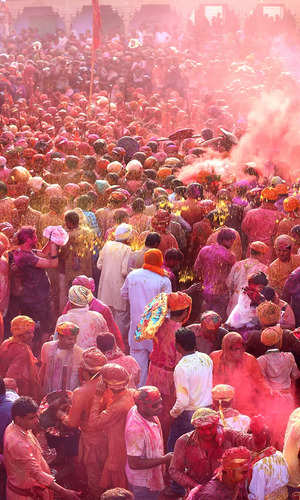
(108, 415)
(139, 288)
(261, 224)
(91, 453)
(280, 269)
(16, 358)
(162, 317)
(291, 207)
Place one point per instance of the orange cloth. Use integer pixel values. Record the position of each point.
(108, 418)
(245, 377)
(21, 324)
(18, 362)
(153, 261)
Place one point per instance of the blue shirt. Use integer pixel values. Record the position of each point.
(6, 402)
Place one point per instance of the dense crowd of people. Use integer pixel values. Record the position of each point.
(150, 268)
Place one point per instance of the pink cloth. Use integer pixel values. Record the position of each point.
(24, 463)
(213, 265)
(261, 224)
(144, 439)
(98, 306)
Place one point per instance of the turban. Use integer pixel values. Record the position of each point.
(172, 162)
(147, 393)
(93, 359)
(163, 172)
(21, 324)
(115, 167)
(259, 247)
(283, 241)
(123, 232)
(210, 319)
(101, 186)
(134, 166)
(223, 391)
(118, 196)
(268, 313)
(269, 194)
(153, 261)
(236, 458)
(204, 416)
(115, 376)
(271, 335)
(84, 281)
(161, 220)
(281, 189)
(80, 295)
(67, 328)
(291, 203)
(179, 301)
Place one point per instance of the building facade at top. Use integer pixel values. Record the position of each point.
(49, 15)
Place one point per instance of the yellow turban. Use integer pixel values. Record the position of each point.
(21, 324)
(204, 416)
(223, 391)
(80, 295)
(271, 336)
(268, 313)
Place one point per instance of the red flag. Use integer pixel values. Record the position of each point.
(96, 25)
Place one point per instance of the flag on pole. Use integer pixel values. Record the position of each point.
(96, 25)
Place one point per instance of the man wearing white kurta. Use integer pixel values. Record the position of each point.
(140, 287)
(113, 262)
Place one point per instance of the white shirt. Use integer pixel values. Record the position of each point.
(269, 474)
(90, 323)
(242, 314)
(140, 287)
(193, 383)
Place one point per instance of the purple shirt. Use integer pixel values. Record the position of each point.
(213, 264)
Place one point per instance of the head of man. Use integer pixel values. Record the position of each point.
(80, 296)
(22, 204)
(115, 377)
(180, 306)
(123, 233)
(174, 258)
(222, 395)
(84, 281)
(152, 240)
(283, 247)
(26, 236)
(117, 494)
(106, 342)
(257, 281)
(210, 323)
(205, 421)
(71, 219)
(233, 347)
(22, 329)
(92, 361)
(24, 412)
(226, 237)
(67, 335)
(148, 401)
(235, 466)
(258, 250)
(185, 341)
